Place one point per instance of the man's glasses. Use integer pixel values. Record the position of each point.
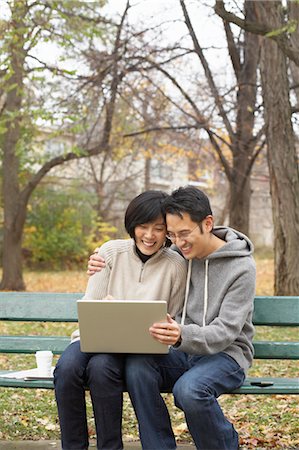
(182, 235)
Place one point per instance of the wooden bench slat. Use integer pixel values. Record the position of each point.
(276, 350)
(277, 311)
(20, 383)
(30, 344)
(39, 306)
(280, 386)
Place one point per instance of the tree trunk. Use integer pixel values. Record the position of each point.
(147, 174)
(239, 205)
(14, 209)
(12, 278)
(14, 214)
(293, 10)
(243, 140)
(282, 160)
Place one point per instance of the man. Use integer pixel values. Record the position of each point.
(211, 340)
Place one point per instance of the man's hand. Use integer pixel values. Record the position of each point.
(95, 263)
(168, 333)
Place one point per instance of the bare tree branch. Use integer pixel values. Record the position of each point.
(219, 152)
(232, 49)
(207, 70)
(55, 69)
(103, 146)
(262, 29)
(255, 155)
(155, 129)
(199, 117)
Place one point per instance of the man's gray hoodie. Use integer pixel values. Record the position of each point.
(217, 315)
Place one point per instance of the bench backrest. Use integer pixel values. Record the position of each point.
(62, 307)
(39, 306)
(277, 311)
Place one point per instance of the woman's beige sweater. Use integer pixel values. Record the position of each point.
(126, 277)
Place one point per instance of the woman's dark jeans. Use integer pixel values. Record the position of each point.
(103, 375)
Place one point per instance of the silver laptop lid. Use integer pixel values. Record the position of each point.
(120, 326)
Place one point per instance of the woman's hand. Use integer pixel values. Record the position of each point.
(168, 333)
(95, 263)
(109, 297)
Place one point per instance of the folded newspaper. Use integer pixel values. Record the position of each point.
(30, 374)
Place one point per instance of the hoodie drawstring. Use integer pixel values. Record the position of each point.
(186, 291)
(206, 292)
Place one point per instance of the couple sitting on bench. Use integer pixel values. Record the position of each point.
(210, 331)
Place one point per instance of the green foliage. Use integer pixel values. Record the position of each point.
(102, 232)
(58, 228)
(290, 27)
(67, 25)
(62, 228)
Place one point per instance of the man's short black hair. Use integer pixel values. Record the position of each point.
(144, 208)
(189, 200)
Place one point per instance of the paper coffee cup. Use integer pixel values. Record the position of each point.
(44, 360)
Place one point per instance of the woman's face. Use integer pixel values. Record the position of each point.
(150, 237)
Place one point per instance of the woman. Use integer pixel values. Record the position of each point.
(142, 268)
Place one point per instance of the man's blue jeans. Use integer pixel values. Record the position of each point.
(196, 382)
(103, 374)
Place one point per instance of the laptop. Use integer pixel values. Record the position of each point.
(120, 326)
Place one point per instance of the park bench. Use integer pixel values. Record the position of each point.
(61, 307)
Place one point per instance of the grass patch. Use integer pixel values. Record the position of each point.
(263, 422)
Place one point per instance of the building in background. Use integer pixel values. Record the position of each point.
(114, 180)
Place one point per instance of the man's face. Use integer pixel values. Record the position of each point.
(187, 235)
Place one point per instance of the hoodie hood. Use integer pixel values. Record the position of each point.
(237, 244)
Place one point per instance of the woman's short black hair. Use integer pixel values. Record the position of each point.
(144, 208)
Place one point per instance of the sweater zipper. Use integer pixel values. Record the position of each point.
(141, 271)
